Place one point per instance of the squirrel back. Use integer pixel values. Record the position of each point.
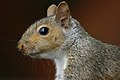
(77, 55)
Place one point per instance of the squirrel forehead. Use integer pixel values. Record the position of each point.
(48, 21)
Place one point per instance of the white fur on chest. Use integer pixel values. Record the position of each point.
(61, 64)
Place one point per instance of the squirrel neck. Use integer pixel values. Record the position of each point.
(74, 36)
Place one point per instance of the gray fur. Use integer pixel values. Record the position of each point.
(90, 59)
(87, 57)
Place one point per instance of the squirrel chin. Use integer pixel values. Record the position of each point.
(32, 53)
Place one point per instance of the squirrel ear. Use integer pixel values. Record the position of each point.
(51, 10)
(63, 14)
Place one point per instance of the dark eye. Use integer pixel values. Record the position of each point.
(43, 30)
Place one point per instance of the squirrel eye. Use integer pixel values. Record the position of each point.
(43, 30)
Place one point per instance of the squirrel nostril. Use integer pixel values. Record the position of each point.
(22, 48)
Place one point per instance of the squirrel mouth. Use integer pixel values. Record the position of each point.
(33, 54)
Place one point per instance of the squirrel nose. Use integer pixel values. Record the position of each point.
(21, 48)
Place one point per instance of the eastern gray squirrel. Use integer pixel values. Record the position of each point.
(77, 55)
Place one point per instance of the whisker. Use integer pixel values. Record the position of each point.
(27, 67)
(30, 70)
(8, 47)
(49, 70)
(7, 43)
(35, 69)
(5, 40)
(21, 61)
(4, 44)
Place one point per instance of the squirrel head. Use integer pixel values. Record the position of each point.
(47, 34)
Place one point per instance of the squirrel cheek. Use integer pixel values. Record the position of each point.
(53, 43)
(34, 38)
(58, 41)
(43, 46)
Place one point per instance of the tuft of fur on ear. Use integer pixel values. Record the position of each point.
(63, 14)
(51, 10)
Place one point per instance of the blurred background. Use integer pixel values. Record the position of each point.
(101, 18)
